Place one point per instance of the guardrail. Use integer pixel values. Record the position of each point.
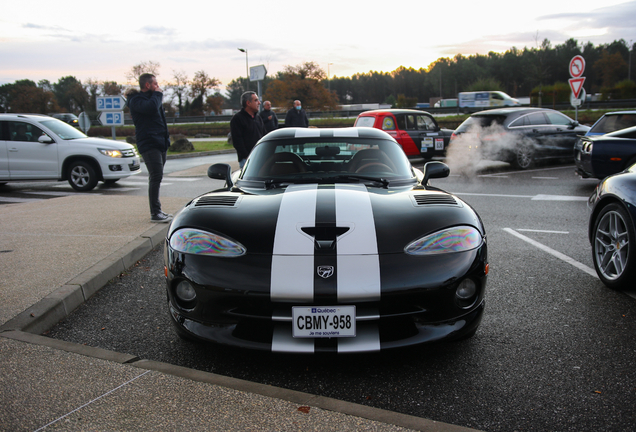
(613, 104)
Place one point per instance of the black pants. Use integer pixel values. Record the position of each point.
(154, 160)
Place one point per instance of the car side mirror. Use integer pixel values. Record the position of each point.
(574, 124)
(45, 139)
(221, 171)
(435, 169)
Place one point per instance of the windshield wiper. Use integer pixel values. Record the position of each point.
(383, 181)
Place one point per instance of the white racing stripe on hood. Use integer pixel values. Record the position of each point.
(292, 276)
(358, 262)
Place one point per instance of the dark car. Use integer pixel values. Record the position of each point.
(327, 241)
(613, 121)
(520, 136)
(67, 118)
(602, 155)
(416, 131)
(611, 229)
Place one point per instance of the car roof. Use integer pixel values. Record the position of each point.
(327, 133)
(394, 111)
(511, 110)
(35, 117)
(619, 112)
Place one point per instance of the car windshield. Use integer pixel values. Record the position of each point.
(612, 122)
(63, 130)
(481, 121)
(316, 160)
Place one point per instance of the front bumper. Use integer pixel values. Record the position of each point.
(418, 303)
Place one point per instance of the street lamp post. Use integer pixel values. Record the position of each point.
(247, 73)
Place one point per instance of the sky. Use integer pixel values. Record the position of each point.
(104, 40)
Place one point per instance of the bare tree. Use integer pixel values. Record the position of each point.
(144, 67)
(179, 87)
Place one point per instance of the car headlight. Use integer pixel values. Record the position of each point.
(197, 242)
(455, 239)
(111, 153)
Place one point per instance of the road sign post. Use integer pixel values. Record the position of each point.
(576, 69)
(257, 73)
(84, 122)
(112, 114)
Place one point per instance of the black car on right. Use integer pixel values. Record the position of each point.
(602, 155)
(612, 231)
(520, 136)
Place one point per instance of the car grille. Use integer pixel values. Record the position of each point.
(225, 201)
(128, 153)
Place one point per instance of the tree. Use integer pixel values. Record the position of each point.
(144, 67)
(71, 94)
(611, 68)
(201, 83)
(303, 82)
(215, 103)
(25, 96)
(179, 86)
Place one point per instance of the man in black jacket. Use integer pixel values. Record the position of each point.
(153, 139)
(246, 126)
(296, 117)
(270, 121)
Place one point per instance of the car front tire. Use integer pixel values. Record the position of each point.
(614, 247)
(82, 176)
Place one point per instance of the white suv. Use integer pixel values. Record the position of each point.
(39, 147)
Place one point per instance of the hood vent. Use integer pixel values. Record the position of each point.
(215, 200)
(435, 199)
(325, 237)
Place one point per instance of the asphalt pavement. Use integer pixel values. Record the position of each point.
(55, 254)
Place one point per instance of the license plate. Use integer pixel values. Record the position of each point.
(427, 142)
(323, 321)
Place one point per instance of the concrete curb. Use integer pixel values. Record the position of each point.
(60, 303)
(293, 396)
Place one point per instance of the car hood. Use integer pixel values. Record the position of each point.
(101, 143)
(301, 219)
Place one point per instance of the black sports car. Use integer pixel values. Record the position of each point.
(602, 155)
(327, 240)
(612, 229)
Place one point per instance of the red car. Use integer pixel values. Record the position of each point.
(416, 131)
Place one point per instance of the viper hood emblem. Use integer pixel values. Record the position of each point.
(325, 271)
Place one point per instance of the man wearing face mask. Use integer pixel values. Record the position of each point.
(296, 117)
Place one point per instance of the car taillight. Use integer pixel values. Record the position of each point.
(453, 136)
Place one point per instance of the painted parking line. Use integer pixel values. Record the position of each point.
(553, 252)
(543, 231)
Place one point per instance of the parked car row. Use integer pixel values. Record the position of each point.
(523, 136)
(520, 136)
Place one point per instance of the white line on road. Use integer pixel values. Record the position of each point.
(543, 231)
(553, 252)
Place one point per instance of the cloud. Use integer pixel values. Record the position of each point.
(157, 31)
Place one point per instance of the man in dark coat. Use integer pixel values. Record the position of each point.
(153, 139)
(270, 121)
(246, 126)
(296, 117)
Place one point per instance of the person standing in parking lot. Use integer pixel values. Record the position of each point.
(270, 121)
(246, 126)
(296, 116)
(153, 139)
